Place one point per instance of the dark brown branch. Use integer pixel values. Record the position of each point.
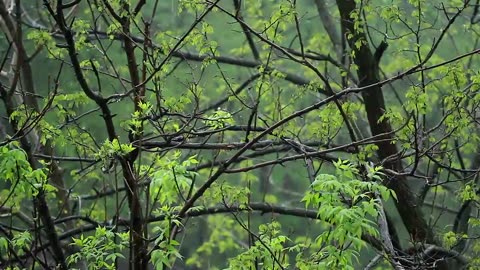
(248, 35)
(224, 146)
(197, 212)
(49, 227)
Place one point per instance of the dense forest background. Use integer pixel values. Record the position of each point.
(239, 134)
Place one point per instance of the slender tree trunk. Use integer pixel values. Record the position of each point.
(407, 206)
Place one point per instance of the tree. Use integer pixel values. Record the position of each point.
(241, 134)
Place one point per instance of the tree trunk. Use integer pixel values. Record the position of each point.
(407, 206)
